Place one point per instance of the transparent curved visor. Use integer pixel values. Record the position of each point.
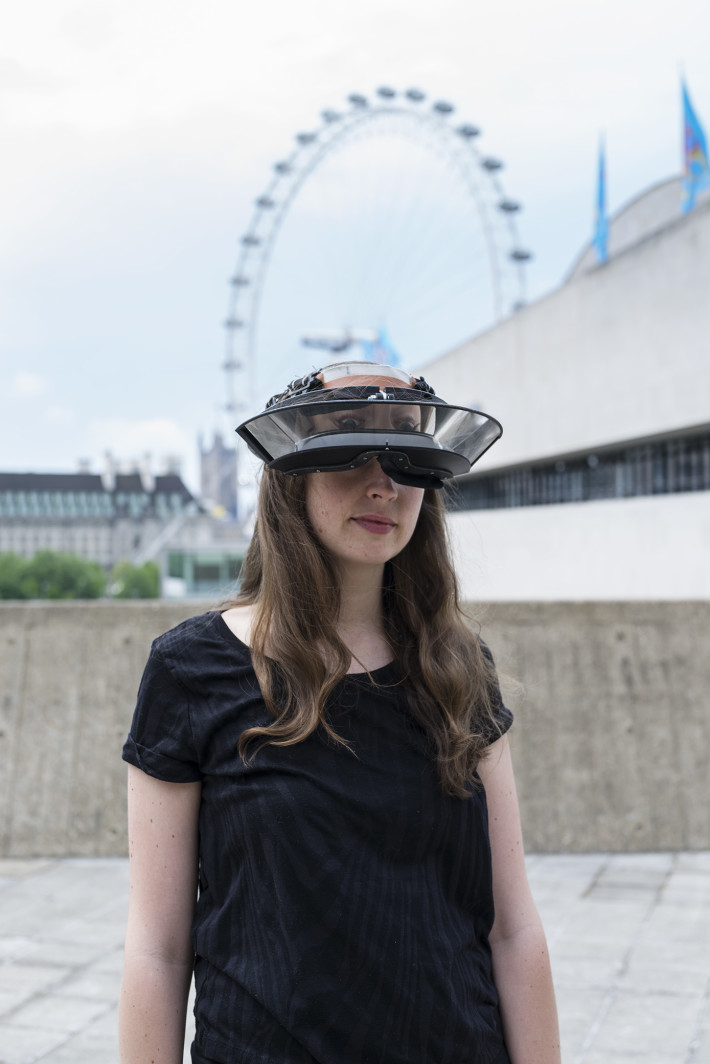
(303, 427)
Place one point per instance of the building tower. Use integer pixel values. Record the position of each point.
(218, 477)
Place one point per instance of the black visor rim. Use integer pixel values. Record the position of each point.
(335, 449)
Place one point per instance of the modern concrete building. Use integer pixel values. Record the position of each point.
(600, 486)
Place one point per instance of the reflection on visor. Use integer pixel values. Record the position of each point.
(321, 429)
(400, 416)
(347, 414)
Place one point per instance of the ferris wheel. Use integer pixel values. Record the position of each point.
(385, 233)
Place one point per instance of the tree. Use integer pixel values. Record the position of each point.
(50, 575)
(12, 573)
(65, 576)
(135, 581)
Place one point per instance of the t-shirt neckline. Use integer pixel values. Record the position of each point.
(231, 637)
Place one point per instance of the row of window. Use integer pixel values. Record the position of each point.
(54, 504)
(657, 468)
(88, 504)
(96, 545)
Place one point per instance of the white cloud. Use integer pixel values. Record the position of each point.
(60, 415)
(27, 385)
(128, 441)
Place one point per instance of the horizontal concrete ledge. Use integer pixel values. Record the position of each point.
(611, 741)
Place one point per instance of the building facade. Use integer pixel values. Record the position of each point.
(600, 485)
(116, 516)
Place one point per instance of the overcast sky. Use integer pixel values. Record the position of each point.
(137, 133)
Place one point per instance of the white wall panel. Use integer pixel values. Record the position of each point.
(653, 548)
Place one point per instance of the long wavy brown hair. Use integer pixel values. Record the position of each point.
(299, 659)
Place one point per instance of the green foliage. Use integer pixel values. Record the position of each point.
(135, 581)
(50, 575)
(12, 577)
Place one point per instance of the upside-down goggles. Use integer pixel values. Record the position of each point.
(348, 413)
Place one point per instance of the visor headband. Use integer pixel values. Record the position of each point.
(367, 382)
(350, 375)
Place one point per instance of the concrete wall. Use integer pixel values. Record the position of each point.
(68, 680)
(612, 739)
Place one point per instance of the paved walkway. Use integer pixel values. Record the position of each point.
(629, 935)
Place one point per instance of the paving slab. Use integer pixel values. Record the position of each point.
(629, 940)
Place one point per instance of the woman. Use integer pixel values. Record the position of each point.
(328, 757)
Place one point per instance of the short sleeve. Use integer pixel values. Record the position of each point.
(160, 741)
(502, 715)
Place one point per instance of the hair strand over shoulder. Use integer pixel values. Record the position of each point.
(299, 658)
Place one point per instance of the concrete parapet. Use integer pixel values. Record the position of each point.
(611, 742)
(69, 674)
(612, 738)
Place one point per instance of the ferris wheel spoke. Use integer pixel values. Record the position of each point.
(388, 233)
(438, 267)
(386, 214)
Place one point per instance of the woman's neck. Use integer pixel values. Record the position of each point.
(361, 620)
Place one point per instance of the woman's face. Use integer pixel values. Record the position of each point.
(361, 515)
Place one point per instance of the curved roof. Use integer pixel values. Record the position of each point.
(645, 215)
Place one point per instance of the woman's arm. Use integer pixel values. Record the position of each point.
(521, 964)
(162, 843)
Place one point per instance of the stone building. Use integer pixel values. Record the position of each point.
(120, 516)
(218, 477)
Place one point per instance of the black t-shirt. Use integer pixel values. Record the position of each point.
(345, 900)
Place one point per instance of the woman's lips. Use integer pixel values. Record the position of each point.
(375, 523)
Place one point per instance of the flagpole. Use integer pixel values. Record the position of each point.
(601, 221)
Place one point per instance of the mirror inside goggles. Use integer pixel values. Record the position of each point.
(401, 417)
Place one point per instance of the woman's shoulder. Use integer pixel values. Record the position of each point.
(205, 635)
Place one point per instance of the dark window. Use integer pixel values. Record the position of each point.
(655, 468)
(176, 565)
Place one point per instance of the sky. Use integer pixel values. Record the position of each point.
(137, 135)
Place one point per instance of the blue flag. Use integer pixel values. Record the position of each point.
(380, 350)
(696, 170)
(601, 223)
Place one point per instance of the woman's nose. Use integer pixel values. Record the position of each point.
(379, 484)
